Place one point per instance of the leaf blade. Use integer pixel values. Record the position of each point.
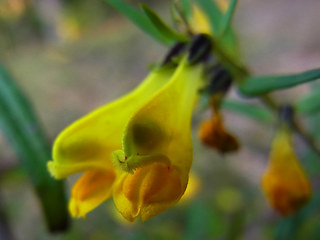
(227, 17)
(253, 86)
(23, 131)
(139, 19)
(161, 26)
(250, 110)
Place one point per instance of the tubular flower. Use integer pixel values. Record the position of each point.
(213, 134)
(156, 156)
(284, 182)
(87, 144)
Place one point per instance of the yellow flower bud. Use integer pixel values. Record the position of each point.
(284, 182)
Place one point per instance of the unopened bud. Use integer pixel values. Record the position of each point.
(200, 48)
(213, 134)
(284, 183)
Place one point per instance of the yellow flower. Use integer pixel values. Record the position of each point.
(87, 144)
(284, 182)
(152, 126)
(200, 22)
(213, 134)
(156, 156)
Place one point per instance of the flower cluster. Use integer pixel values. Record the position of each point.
(138, 149)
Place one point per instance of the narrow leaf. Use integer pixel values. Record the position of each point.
(253, 86)
(214, 14)
(186, 7)
(22, 129)
(226, 20)
(229, 44)
(162, 27)
(250, 110)
(309, 104)
(139, 19)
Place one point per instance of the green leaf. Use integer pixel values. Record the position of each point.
(214, 14)
(226, 19)
(253, 86)
(162, 27)
(140, 20)
(23, 131)
(250, 110)
(229, 44)
(309, 104)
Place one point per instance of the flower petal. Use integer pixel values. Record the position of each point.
(149, 191)
(88, 142)
(89, 191)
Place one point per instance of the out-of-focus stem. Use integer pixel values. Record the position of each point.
(306, 137)
(269, 102)
(241, 73)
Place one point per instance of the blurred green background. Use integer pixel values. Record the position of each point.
(71, 56)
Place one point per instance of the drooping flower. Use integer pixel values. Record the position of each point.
(156, 156)
(213, 134)
(87, 144)
(284, 183)
(212, 131)
(152, 125)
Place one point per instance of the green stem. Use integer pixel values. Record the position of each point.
(306, 137)
(269, 102)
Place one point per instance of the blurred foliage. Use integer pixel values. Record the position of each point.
(21, 127)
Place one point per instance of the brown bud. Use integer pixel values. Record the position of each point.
(213, 134)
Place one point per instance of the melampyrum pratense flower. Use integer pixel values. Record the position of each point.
(284, 182)
(212, 132)
(138, 148)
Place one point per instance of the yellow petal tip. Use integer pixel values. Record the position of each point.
(75, 210)
(52, 170)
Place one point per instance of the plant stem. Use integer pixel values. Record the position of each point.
(306, 137)
(242, 73)
(269, 102)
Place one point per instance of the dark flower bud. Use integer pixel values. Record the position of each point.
(177, 49)
(200, 48)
